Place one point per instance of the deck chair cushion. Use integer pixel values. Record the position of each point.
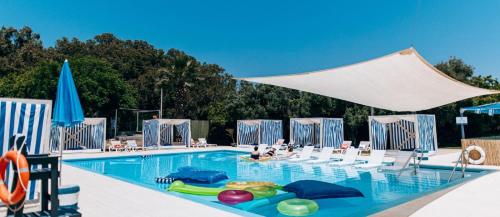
(312, 189)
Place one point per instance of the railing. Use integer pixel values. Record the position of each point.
(464, 156)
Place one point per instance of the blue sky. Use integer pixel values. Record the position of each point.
(253, 38)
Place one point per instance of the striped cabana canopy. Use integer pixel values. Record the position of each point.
(258, 131)
(89, 136)
(30, 118)
(162, 132)
(401, 81)
(403, 132)
(324, 132)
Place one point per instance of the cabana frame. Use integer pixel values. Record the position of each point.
(159, 132)
(397, 132)
(265, 132)
(331, 131)
(91, 135)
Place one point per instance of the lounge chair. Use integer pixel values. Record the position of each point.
(348, 158)
(202, 142)
(324, 156)
(262, 149)
(364, 146)
(402, 161)
(116, 145)
(375, 160)
(344, 146)
(132, 145)
(304, 155)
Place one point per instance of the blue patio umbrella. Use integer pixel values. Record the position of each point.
(67, 109)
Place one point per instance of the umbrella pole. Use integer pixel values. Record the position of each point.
(61, 144)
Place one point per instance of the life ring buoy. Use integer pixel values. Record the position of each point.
(24, 175)
(481, 152)
(297, 207)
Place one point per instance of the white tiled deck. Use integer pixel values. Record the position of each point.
(105, 196)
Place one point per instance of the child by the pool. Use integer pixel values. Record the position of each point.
(255, 153)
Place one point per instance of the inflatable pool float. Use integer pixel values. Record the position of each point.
(242, 185)
(297, 207)
(197, 175)
(261, 159)
(253, 204)
(261, 191)
(234, 196)
(179, 186)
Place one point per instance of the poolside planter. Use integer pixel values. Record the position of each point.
(161, 132)
(89, 135)
(325, 132)
(403, 132)
(259, 131)
(28, 117)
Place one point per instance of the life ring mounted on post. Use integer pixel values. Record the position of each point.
(23, 172)
(472, 152)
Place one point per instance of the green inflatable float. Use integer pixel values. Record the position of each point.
(261, 191)
(179, 186)
(297, 207)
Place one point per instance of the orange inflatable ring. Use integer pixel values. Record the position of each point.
(24, 175)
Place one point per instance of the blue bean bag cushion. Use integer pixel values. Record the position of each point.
(195, 175)
(312, 189)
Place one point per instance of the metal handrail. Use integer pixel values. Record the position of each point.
(463, 154)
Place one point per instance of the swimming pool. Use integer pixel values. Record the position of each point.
(382, 190)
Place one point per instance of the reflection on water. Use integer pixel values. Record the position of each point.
(381, 189)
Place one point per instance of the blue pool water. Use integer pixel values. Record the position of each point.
(382, 190)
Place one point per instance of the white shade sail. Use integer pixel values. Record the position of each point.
(402, 81)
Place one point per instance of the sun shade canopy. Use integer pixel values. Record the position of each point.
(402, 81)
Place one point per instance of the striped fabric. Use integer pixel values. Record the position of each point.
(91, 134)
(426, 126)
(270, 131)
(247, 134)
(379, 135)
(259, 131)
(304, 134)
(160, 132)
(150, 133)
(333, 132)
(327, 132)
(30, 118)
(402, 132)
(402, 135)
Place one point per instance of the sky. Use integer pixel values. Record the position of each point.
(266, 37)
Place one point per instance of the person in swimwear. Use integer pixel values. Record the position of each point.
(255, 155)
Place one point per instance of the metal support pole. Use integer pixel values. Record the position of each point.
(137, 122)
(462, 130)
(372, 111)
(161, 102)
(116, 121)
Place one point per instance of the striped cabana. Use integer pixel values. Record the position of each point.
(161, 132)
(89, 135)
(325, 132)
(30, 118)
(403, 132)
(258, 131)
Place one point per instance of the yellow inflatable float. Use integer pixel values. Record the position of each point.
(241, 185)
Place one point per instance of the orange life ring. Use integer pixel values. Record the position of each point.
(22, 183)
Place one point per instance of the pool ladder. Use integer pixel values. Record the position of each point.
(463, 165)
(416, 165)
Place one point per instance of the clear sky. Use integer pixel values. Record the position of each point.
(265, 37)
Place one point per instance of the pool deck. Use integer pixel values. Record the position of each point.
(104, 196)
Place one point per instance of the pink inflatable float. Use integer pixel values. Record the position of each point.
(234, 196)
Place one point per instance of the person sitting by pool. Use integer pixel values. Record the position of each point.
(289, 151)
(270, 153)
(255, 155)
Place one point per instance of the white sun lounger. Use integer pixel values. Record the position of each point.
(375, 160)
(132, 145)
(304, 155)
(324, 156)
(116, 145)
(262, 149)
(348, 158)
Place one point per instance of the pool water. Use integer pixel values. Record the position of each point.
(382, 190)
